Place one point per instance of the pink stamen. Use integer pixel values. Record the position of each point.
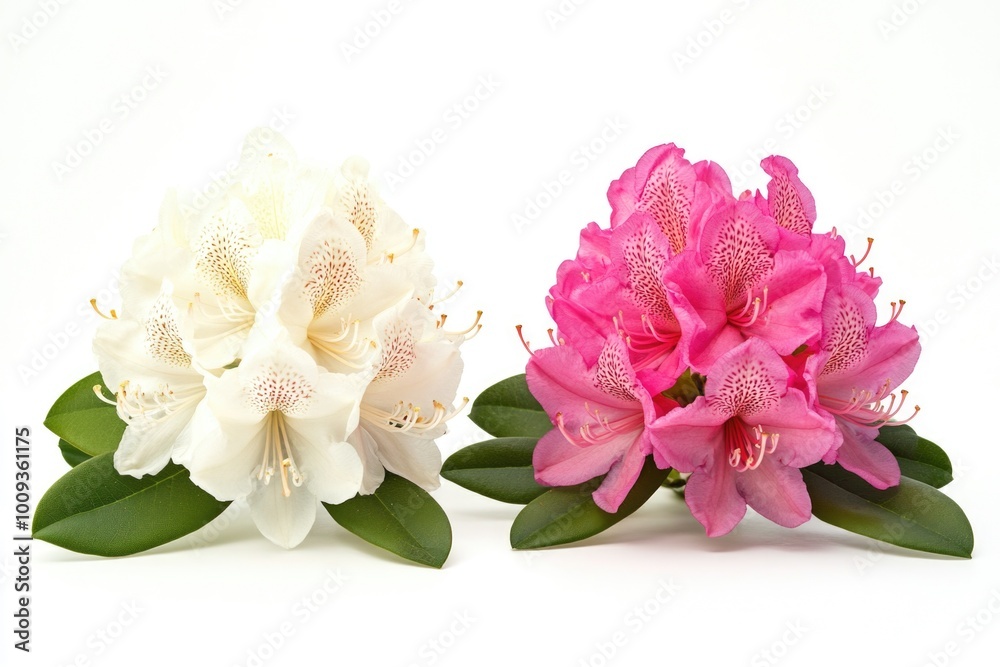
(526, 344)
(856, 262)
(599, 431)
(747, 446)
(865, 408)
(896, 311)
(751, 311)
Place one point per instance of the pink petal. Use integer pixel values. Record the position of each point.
(558, 462)
(776, 492)
(714, 176)
(661, 184)
(713, 499)
(804, 435)
(558, 378)
(620, 480)
(866, 458)
(689, 438)
(747, 381)
(792, 205)
(737, 247)
(794, 298)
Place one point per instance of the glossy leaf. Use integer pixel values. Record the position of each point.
(94, 510)
(568, 514)
(499, 469)
(912, 515)
(507, 409)
(918, 458)
(399, 517)
(84, 421)
(71, 454)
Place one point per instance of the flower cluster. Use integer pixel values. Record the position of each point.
(721, 335)
(280, 343)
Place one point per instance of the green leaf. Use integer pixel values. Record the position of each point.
(912, 515)
(94, 510)
(568, 514)
(507, 410)
(84, 421)
(919, 459)
(71, 454)
(399, 517)
(499, 469)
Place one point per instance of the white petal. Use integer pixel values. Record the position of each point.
(367, 450)
(285, 520)
(417, 459)
(333, 472)
(147, 445)
(226, 444)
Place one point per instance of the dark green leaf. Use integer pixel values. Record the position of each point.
(913, 514)
(94, 510)
(499, 469)
(399, 517)
(507, 409)
(83, 420)
(919, 459)
(688, 387)
(71, 454)
(568, 514)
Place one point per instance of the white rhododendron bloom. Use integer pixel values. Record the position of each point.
(280, 342)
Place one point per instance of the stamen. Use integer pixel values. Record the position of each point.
(526, 344)
(896, 311)
(473, 329)
(112, 314)
(100, 394)
(865, 408)
(354, 353)
(856, 262)
(405, 418)
(747, 446)
(449, 295)
(600, 430)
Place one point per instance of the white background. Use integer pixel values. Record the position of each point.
(853, 92)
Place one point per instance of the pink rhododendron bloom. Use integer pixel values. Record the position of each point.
(737, 284)
(603, 420)
(585, 293)
(671, 190)
(744, 441)
(856, 371)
